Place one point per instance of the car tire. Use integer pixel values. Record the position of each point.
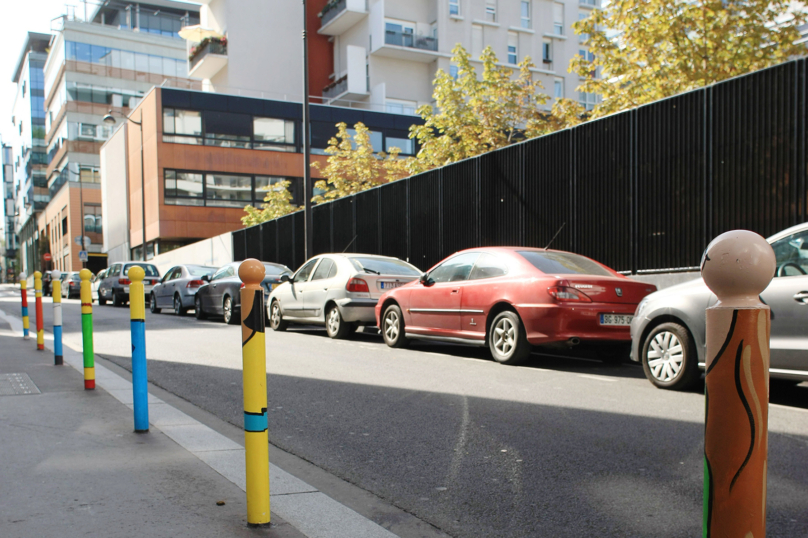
(669, 357)
(335, 325)
(507, 339)
(227, 310)
(198, 311)
(153, 305)
(116, 300)
(101, 301)
(276, 321)
(392, 328)
(178, 308)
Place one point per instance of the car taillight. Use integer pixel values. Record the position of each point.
(357, 285)
(568, 295)
(242, 286)
(124, 281)
(194, 283)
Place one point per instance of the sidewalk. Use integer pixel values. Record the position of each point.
(71, 464)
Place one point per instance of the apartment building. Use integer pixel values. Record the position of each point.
(28, 147)
(103, 65)
(204, 157)
(9, 246)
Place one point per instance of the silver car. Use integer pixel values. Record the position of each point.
(71, 284)
(178, 288)
(339, 291)
(668, 329)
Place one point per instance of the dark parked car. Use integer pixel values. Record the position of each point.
(220, 295)
(47, 289)
(71, 284)
(178, 288)
(115, 286)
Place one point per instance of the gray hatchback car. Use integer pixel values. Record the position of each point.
(668, 329)
(178, 288)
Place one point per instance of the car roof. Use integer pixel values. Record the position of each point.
(788, 231)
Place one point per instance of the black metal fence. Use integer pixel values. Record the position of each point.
(641, 191)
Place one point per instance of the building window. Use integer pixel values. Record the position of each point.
(582, 38)
(558, 88)
(23, 89)
(513, 40)
(273, 134)
(476, 40)
(89, 174)
(87, 130)
(593, 3)
(453, 72)
(589, 57)
(547, 51)
(525, 13)
(399, 33)
(587, 100)
(92, 220)
(227, 129)
(406, 145)
(183, 188)
(454, 7)
(185, 125)
(558, 18)
(64, 226)
(223, 190)
(400, 106)
(491, 10)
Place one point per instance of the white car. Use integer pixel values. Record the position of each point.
(339, 291)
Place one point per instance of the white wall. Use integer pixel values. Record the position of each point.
(214, 252)
(115, 196)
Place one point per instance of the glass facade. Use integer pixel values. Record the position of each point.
(215, 189)
(123, 59)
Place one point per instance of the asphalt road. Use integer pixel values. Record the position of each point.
(561, 447)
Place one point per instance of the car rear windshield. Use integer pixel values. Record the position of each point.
(150, 269)
(384, 266)
(274, 270)
(75, 277)
(200, 270)
(563, 263)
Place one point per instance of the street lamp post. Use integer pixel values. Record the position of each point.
(307, 186)
(109, 119)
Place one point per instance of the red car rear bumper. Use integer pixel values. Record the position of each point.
(550, 323)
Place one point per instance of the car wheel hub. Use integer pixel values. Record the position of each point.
(276, 315)
(665, 356)
(333, 321)
(391, 326)
(504, 334)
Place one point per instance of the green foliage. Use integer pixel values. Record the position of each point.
(277, 203)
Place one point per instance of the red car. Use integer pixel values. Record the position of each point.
(512, 298)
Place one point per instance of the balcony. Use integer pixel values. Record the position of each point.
(340, 15)
(207, 58)
(408, 46)
(346, 89)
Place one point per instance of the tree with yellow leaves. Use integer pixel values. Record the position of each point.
(474, 115)
(277, 203)
(353, 167)
(646, 50)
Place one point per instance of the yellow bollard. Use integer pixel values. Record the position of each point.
(40, 323)
(24, 297)
(87, 329)
(254, 372)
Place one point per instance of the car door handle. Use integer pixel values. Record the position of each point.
(455, 291)
(801, 297)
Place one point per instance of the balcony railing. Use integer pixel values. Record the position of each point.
(205, 48)
(337, 88)
(403, 39)
(331, 10)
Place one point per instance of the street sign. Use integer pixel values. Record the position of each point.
(46, 257)
(87, 241)
(83, 255)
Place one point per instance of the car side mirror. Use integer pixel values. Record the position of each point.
(206, 278)
(286, 278)
(424, 279)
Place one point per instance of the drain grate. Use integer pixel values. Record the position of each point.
(12, 384)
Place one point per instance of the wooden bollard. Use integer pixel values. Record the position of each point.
(737, 266)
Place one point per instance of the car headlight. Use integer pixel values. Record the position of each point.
(641, 307)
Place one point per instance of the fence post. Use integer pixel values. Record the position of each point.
(87, 329)
(140, 379)
(40, 323)
(56, 293)
(254, 373)
(737, 266)
(24, 298)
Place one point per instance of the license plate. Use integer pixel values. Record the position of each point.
(616, 319)
(390, 285)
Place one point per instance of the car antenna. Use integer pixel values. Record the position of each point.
(556, 235)
(349, 244)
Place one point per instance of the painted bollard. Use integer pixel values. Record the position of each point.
(56, 293)
(137, 323)
(40, 323)
(24, 297)
(87, 328)
(737, 266)
(254, 372)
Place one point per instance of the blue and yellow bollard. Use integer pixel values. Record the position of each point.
(254, 372)
(140, 380)
(40, 323)
(87, 329)
(24, 297)
(56, 293)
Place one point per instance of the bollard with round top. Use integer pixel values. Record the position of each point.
(254, 372)
(87, 329)
(137, 324)
(24, 298)
(737, 266)
(56, 293)
(40, 323)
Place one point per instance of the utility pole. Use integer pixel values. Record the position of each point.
(308, 191)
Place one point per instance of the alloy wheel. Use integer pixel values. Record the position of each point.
(275, 317)
(177, 305)
(504, 336)
(665, 356)
(391, 325)
(333, 321)
(228, 309)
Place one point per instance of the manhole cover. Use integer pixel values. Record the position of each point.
(11, 384)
